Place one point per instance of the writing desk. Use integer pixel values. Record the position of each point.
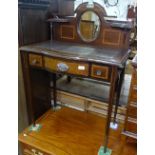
(73, 59)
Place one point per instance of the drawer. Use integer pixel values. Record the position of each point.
(35, 60)
(101, 72)
(131, 125)
(28, 150)
(132, 111)
(66, 66)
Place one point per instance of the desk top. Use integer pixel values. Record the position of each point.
(75, 51)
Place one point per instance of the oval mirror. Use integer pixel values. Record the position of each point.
(89, 26)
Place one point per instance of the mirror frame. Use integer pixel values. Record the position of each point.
(98, 10)
(78, 27)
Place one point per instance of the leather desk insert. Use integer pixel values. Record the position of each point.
(71, 67)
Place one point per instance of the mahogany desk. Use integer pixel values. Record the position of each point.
(100, 63)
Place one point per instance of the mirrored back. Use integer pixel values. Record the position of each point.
(89, 26)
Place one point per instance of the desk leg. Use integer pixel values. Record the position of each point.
(110, 106)
(56, 106)
(28, 87)
(54, 90)
(120, 82)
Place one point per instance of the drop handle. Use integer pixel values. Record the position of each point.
(62, 67)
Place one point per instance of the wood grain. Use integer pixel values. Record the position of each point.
(112, 37)
(103, 69)
(72, 132)
(35, 60)
(131, 125)
(67, 31)
(132, 111)
(51, 63)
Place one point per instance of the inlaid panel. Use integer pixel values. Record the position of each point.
(101, 72)
(67, 32)
(111, 37)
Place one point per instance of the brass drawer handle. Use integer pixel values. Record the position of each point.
(62, 67)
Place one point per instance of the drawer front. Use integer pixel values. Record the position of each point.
(28, 150)
(35, 60)
(77, 68)
(101, 72)
(131, 126)
(132, 111)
